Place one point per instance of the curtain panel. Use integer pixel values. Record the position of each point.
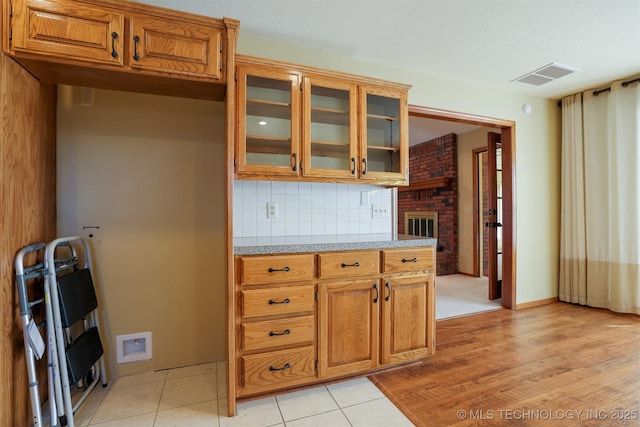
(600, 199)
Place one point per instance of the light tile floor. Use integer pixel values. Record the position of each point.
(196, 396)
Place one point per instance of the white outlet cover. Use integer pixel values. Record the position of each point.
(133, 347)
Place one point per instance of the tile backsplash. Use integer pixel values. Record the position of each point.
(305, 208)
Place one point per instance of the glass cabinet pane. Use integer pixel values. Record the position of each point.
(383, 134)
(330, 128)
(268, 122)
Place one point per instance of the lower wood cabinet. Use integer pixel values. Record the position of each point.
(348, 323)
(407, 329)
(305, 318)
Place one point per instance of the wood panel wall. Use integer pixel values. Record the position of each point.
(27, 214)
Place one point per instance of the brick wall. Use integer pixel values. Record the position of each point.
(434, 159)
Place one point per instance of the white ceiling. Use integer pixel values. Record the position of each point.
(486, 42)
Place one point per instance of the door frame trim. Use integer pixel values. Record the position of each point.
(508, 133)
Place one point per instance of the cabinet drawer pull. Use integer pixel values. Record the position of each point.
(353, 171)
(136, 40)
(364, 172)
(273, 270)
(114, 37)
(410, 260)
(388, 291)
(375, 300)
(284, 301)
(356, 264)
(295, 162)
(286, 366)
(286, 332)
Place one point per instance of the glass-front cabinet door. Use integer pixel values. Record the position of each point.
(330, 135)
(384, 135)
(268, 121)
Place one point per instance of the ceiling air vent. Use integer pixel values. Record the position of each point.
(546, 74)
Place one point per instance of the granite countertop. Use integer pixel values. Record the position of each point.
(292, 244)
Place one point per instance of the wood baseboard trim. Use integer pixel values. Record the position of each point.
(536, 303)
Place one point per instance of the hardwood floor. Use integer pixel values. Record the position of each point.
(558, 364)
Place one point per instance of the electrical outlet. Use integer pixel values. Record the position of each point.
(272, 210)
(380, 211)
(92, 233)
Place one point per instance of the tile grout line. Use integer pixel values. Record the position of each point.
(339, 407)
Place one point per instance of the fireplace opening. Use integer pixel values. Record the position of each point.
(424, 224)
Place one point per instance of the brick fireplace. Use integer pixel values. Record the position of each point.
(434, 188)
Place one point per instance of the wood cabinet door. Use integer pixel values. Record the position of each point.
(348, 326)
(64, 29)
(330, 133)
(175, 47)
(384, 135)
(407, 318)
(268, 111)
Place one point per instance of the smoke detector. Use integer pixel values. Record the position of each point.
(546, 74)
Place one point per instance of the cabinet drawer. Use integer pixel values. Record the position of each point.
(349, 263)
(266, 369)
(413, 259)
(276, 269)
(275, 301)
(273, 333)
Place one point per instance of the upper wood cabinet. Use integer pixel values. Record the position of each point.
(384, 133)
(68, 30)
(268, 113)
(319, 125)
(120, 45)
(186, 49)
(329, 129)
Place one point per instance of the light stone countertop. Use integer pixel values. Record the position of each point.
(293, 244)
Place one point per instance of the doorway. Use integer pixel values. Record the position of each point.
(507, 138)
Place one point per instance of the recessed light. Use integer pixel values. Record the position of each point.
(262, 123)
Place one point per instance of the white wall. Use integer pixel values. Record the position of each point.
(149, 170)
(537, 151)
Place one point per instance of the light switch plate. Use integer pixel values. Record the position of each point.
(380, 211)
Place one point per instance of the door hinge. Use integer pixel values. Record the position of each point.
(235, 76)
(10, 23)
(316, 299)
(316, 365)
(235, 161)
